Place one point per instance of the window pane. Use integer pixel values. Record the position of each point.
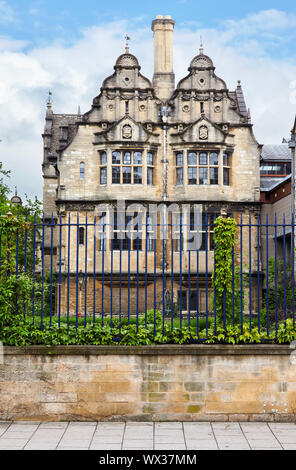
(213, 175)
(203, 241)
(179, 159)
(137, 175)
(192, 158)
(150, 158)
(226, 159)
(138, 157)
(116, 157)
(203, 176)
(103, 175)
(126, 175)
(150, 176)
(226, 174)
(81, 171)
(115, 174)
(192, 176)
(150, 242)
(103, 158)
(81, 235)
(137, 243)
(203, 158)
(127, 157)
(179, 176)
(213, 158)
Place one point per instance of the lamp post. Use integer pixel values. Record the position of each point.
(292, 147)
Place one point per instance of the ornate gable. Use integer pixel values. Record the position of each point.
(202, 131)
(126, 130)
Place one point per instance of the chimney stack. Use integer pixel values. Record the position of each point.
(164, 77)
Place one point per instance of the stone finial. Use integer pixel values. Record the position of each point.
(49, 100)
(239, 84)
(201, 49)
(127, 39)
(249, 115)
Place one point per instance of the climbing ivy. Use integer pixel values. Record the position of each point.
(222, 278)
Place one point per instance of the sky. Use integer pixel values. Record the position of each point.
(69, 47)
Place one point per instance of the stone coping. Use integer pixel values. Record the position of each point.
(152, 350)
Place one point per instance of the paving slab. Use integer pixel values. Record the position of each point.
(146, 435)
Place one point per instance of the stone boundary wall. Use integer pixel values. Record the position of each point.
(161, 383)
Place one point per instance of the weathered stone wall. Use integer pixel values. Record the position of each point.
(195, 382)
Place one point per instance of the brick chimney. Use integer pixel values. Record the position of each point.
(164, 77)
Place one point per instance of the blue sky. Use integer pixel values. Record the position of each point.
(69, 47)
(41, 22)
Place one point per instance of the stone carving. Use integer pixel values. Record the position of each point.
(203, 132)
(218, 97)
(201, 61)
(186, 108)
(127, 61)
(217, 109)
(186, 96)
(126, 132)
(142, 107)
(203, 97)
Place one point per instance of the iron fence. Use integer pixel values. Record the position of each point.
(87, 269)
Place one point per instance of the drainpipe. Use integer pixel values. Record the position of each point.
(292, 147)
(164, 113)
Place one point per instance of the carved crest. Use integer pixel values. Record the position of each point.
(127, 132)
(203, 132)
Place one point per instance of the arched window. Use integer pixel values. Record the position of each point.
(81, 235)
(82, 170)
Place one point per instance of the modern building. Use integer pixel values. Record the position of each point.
(148, 142)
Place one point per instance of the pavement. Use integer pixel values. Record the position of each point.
(21, 435)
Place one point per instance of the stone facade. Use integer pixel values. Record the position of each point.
(161, 383)
(152, 143)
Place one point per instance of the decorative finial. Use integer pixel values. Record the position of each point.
(49, 100)
(78, 110)
(201, 50)
(127, 39)
(249, 115)
(238, 83)
(15, 190)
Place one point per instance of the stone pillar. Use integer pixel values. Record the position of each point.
(136, 105)
(211, 104)
(117, 100)
(164, 77)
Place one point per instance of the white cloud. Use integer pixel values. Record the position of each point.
(75, 74)
(265, 20)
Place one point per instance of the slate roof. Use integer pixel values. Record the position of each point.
(276, 152)
(57, 140)
(241, 101)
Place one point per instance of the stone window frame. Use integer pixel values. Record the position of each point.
(206, 233)
(132, 165)
(103, 167)
(194, 168)
(82, 171)
(226, 168)
(150, 167)
(179, 167)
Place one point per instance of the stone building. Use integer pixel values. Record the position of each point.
(147, 142)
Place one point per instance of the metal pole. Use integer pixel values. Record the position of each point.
(292, 147)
